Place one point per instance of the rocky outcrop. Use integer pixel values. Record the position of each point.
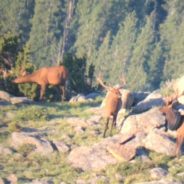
(92, 158)
(152, 100)
(143, 122)
(42, 145)
(160, 142)
(13, 100)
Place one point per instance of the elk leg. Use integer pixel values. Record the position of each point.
(113, 124)
(179, 142)
(42, 91)
(63, 91)
(106, 127)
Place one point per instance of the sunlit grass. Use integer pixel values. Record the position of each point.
(51, 120)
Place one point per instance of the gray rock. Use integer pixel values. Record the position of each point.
(162, 181)
(41, 181)
(12, 178)
(5, 151)
(160, 142)
(5, 96)
(95, 157)
(87, 158)
(143, 122)
(158, 173)
(20, 100)
(42, 145)
(61, 146)
(152, 100)
(139, 96)
(93, 95)
(79, 98)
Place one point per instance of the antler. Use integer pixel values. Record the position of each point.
(123, 82)
(99, 80)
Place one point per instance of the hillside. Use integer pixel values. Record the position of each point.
(141, 39)
(54, 143)
(27, 156)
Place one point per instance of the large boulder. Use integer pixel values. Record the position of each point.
(5, 96)
(42, 145)
(160, 142)
(139, 96)
(152, 100)
(95, 157)
(20, 100)
(143, 122)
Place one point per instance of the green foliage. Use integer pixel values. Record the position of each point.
(77, 73)
(141, 39)
(23, 64)
(26, 149)
(32, 113)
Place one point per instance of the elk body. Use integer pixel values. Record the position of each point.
(111, 105)
(55, 75)
(175, 121)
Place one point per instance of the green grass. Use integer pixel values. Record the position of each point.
(51, 120)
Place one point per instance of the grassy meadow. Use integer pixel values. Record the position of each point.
(51, 120)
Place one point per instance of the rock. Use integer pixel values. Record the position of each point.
(123, 152)
(126, 148)
(78, 99)
(160, 142)
(95, 157)
(162, 181)
(93, 95)
(158, 173)
(61, 146)
(79, 129)
(5, 151)
(77, 122)
(12, 178)
(143, 122)
(94, 120)
(41, 181)
(139, 96)
(87, 158)
(152, 100)
(5, 96)
(20, 100)
(42, 145)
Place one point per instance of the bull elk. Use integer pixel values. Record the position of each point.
(55, 75)
(175, 121)
(112, 104)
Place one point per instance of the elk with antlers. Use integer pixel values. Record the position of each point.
(112, 103)
(174, 120)
(55, 75)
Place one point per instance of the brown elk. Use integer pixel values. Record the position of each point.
(112, 104)
(55, 75)
(174, 120)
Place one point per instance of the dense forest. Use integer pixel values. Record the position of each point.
(140, 39)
